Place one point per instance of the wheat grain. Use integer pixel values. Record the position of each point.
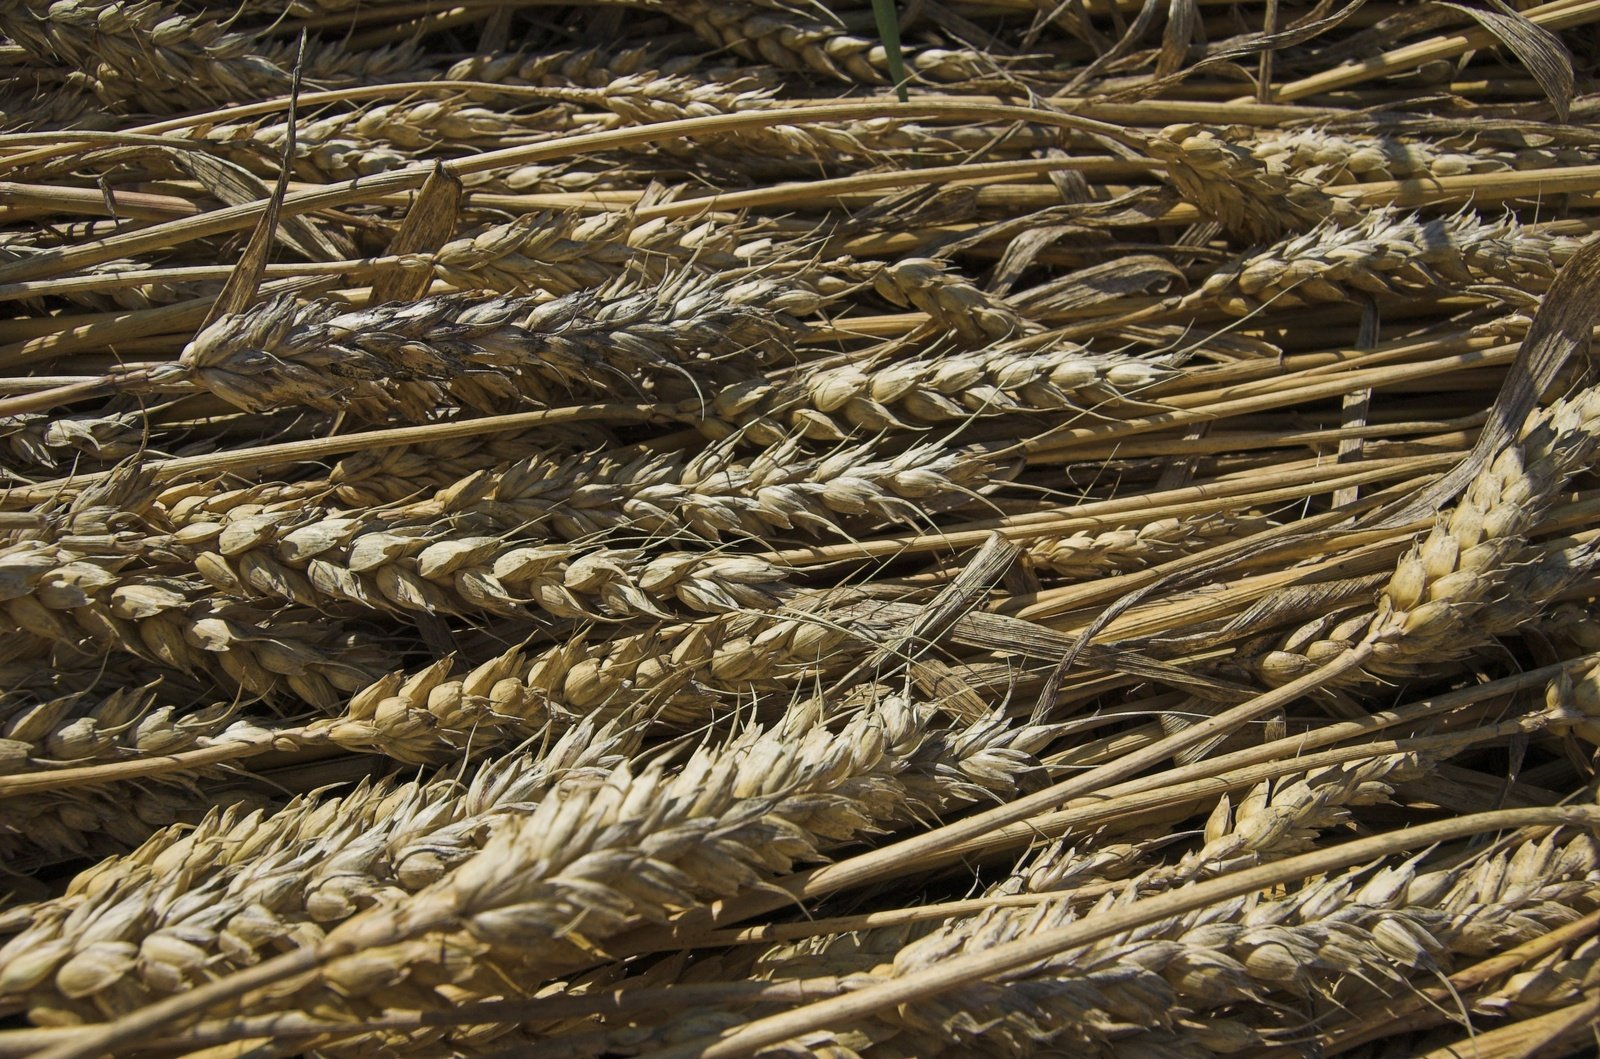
(1559, 979)
(1578, 696)
(184, 503)
(41, 96)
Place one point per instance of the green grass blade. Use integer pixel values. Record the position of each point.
(889, 33)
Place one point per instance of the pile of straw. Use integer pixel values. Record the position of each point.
(618, 529)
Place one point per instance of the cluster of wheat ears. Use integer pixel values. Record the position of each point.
(705, 528)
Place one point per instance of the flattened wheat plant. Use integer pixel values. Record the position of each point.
(715, 528)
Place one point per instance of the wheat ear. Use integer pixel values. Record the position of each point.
(484, 353)
(1428, 611)
(720, 491)
(192, 902)
(70, 597)
(1389, 253)
(156, 57)
(835, 403)
(1345, 939)
(1251, 199)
